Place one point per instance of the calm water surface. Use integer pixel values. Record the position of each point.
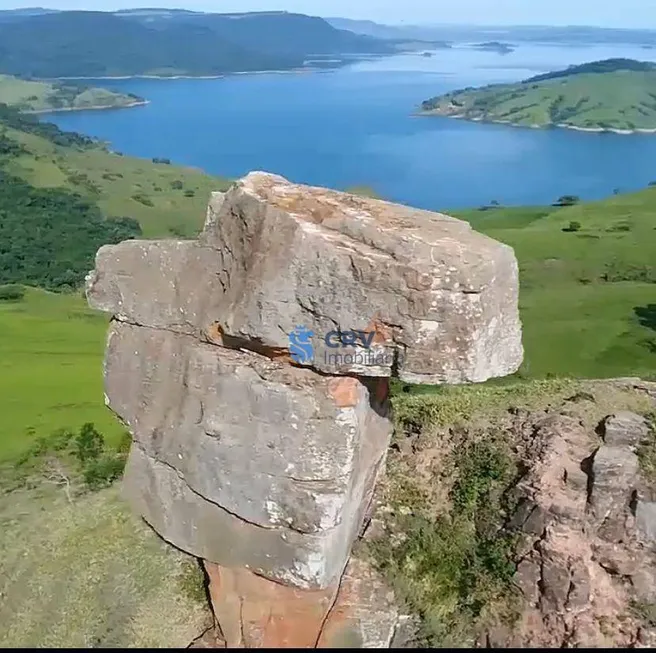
(354, 126)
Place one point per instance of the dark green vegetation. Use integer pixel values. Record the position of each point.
(596, 67)
(616, 94)
(84, 44)
(49, 236)
(41, 97)
(454, 566)
(76, 462)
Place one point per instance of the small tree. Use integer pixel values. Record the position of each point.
(568, 200)
(89, 444)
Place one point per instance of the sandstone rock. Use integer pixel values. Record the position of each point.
(364, 615)
(555, 580)
(251, 367)
(645, 513)
(276, 445)
(643, 582)
(438, 299)
(441, 298)
(211, 638)
(254, 612)
(407, 632)
(188, 520)
(616, 559)
(157, 284)
(527, 579)
(625, 429)
(614, 474)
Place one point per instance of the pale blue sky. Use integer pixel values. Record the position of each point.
(608, 13)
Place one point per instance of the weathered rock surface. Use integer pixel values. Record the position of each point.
(251, 367)
(587, 563)
(625, 429)
(258, 613)
(440, 297)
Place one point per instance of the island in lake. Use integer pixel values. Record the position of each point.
(46, 97)
(494, 46)
(617, 95)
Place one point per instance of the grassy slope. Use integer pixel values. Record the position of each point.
(624, 100)
(33, 96)
(121, 185)
(51, 349)
(89, 574)
(575, 323)
(51, 345)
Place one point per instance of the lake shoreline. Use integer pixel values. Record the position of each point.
(100, 107)
(290, 71)
(507, 123)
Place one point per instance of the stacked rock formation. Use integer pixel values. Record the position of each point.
(251, 367)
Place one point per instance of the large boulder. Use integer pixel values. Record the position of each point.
(251, 367)
(375, 288)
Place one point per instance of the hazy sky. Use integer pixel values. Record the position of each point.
(609, 13)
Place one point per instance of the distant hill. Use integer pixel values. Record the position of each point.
(18, 14)
(610, 95)
(576, 35)
(168, 43)
(42, 97)
(403, 36)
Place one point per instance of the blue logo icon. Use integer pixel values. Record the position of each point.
(300, 345)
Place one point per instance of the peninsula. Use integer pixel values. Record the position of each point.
(614, 95)
(47, 97)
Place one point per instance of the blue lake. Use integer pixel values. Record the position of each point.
(355, 126)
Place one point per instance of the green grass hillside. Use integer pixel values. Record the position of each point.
(41, 97)
(167, 200)
(51, 349)
(61, 196)
(615, 95)
(588, 284)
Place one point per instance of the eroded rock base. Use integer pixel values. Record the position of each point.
(254, 612)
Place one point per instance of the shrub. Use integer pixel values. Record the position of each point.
(453, 567)
(189, 193)
(177, 185)
(567, 200)
(103, 472)
(124, 443)
(619, 227)
(162, 161)
(573, 226)
(11, 293)
(142, 199)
